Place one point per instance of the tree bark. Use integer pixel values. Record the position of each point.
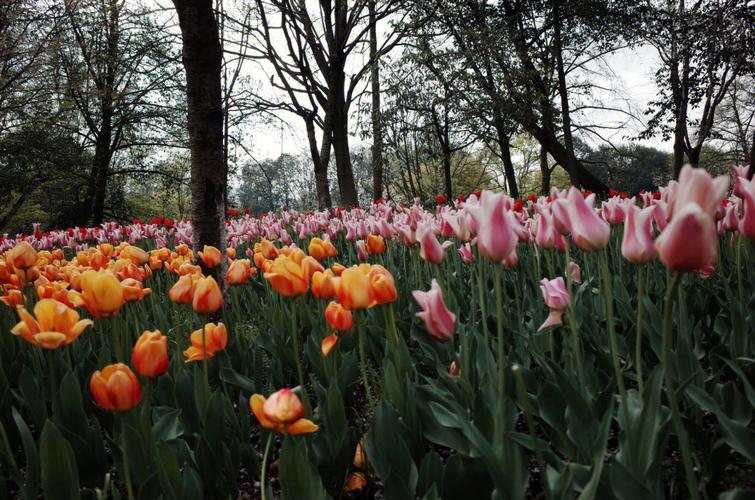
(377, 128)
(202, 61)
(571, 167)
(345, 173)
(320, 159)
(751, 172)
(545, 173)
(505, 147)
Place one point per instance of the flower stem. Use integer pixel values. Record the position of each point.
(205, 368)
(299, 370)
(54, 396)
(638, 338)
(363, 360)
(124, 451)
(608, 299)
(501, 347)
(681, 434)
(573, 320)
(263, 475)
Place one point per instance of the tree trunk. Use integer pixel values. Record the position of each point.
(505, 147)
(377, 128)
(320, 159)
(545, 173)
(751, 172)
(202, 62)
(447, 182)
(346, 185)
(679, 128)
(562, 91)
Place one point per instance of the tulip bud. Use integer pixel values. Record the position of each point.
(211, 256)
(215, 340)
(355, 290)
(439, 321)
(207, 296)
(150, 354)
(115, 388)
(183, 290)
(338, 317)
(23, 256)
(102, 293)
(375, 244)
(287, 277)
(323, 286)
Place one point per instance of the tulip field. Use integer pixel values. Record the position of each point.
(552, 347)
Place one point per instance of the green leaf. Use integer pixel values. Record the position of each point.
(299, 478)
(60, 478)
(167, 423)
(31, 485)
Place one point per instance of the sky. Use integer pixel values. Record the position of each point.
(631, 79)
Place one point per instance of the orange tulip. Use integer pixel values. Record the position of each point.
(338, 268)
(383, 285)
(282, 412)
(311, 266)
(102, 293)
(266, 248)
(375, 244)
(230, 252)
(323, 286)
(287, 277)
(13, 298)
(259, 259)
(22, 256)
(106, 249)
(183, 249)
(115, 388)
(54, 324)
(239, 272)
(183, 290)
(355, 290)
(133, 290)
(211, 256)
(317, 249)
(339, 317)
(98, 260)
(150, 354)
(330, 248)
(328, 343)
(207, 296)
(135, 254)
(215, 340)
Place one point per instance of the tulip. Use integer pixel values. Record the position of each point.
(383, 285)
(430, 248)
(102, 293)
(328, 343)
(215, 340)
(22, 256)
(133, 290)
(281, 412)
(239, 272)
(439, 321)
(338, 317)
(12, 298)
(183, 290)
(588, 231)
(574, 272)
(287, 277)
(207, 296)
(453, 370)
(150, 354)
(495, 237)
(689, 241)
(466, 253)
(115, 388)
(355, 289)
(135, 255)
(310, 266)
(53, 324)
(556, 298)
(362, 251)
(637, 244)
(230, 252)
(211, 256)
(317, 249)
(106, 249)
(747, 222)
(375, 244)
(323, 286)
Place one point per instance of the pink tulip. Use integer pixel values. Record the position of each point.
(466, 253)
(453, 370)
(439, 321)
(747, 223)
(740, 174)
(637, 245)
(495, 237)
(588, 231)
(362, 250)
(556, 298)
(689, 242)
(430, 248)
(574, 272)
(511, 260)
